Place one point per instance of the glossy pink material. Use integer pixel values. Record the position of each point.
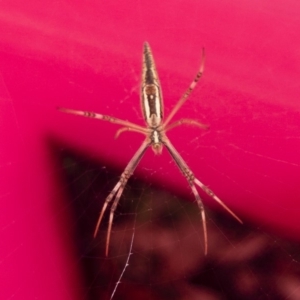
(87, 55)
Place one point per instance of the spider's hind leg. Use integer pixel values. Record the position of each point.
(187, 93)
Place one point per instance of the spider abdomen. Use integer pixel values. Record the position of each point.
(151, 96)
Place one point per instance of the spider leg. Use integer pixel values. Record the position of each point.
(119, 188)
(202, 211)
(93, 115)
(107, 201)
(185, 96)
(192, 181)
(187, 122)
(210, 193)
(123, 129)
(188, 174)
(111, 216)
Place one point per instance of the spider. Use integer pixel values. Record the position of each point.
(155, 132)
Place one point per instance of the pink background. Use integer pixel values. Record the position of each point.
(87, 55)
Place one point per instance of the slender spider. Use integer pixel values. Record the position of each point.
(155, 132)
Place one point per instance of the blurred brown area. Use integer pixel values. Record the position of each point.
(161, 237)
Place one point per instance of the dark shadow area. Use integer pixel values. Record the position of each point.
(166, 260)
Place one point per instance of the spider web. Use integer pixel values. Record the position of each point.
(156, 249)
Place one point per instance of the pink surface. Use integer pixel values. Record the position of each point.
(88, 56)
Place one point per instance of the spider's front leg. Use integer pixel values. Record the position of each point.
(117, 191)
(210, 193)
(186, 171)
(189, 175)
